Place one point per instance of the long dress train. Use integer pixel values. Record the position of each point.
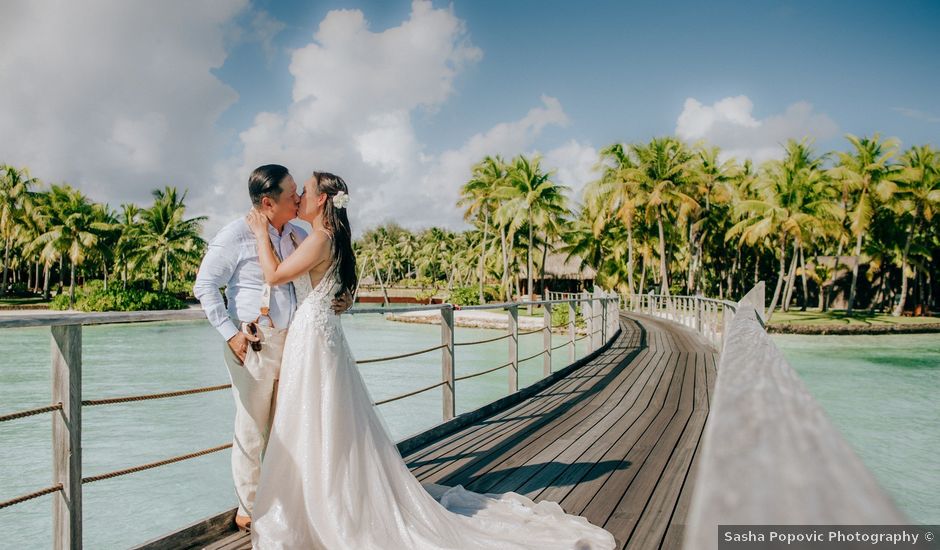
(332, 478)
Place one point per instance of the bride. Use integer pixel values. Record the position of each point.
(332, 478)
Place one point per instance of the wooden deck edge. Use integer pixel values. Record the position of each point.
(194, 535)
(420, 440)
(200, 533)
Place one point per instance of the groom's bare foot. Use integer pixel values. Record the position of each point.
(243, 523)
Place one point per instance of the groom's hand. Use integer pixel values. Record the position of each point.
(342, 303)
(239, 344)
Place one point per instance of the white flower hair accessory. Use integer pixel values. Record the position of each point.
(340, 199)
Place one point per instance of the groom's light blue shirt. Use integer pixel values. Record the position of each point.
(232, 262)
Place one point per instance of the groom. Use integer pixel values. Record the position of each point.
(232, 262)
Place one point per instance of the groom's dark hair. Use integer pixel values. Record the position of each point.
(265, 181)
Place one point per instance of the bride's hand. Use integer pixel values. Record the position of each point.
(257, 222)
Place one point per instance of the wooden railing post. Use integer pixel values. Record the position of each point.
(572, 318)
(698, 315)
(447, 362)
(547, 340)
(605, 305)
(587, 309)
(67, 437)
(513, 348)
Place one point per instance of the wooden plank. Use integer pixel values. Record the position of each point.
(568, 450)
(673, 538)
(523, 427)
(582, 427)
(104, 318)
(67, 436)
(212, 530)
(658, 512)
(577, 485)
(596, 497)
(502, 426)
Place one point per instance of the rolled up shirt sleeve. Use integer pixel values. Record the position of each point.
(215, 272)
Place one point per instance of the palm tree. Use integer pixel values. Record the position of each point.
(72, 230)
(478, 196)
(14, 188)
(168, 241)
(917, 200)
(787, 207)
(662, 170)
(863, 171)
(713, 184)
(532, 200)
(622, 194)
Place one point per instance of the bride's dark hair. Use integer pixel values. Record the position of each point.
(336, 222)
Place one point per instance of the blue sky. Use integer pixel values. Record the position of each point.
(118, 98)
(623, 69)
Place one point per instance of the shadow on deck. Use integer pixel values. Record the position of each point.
(616, 441)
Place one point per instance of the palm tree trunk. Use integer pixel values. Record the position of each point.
(45, 281)
(378, 277)
(858, 260)
(663, 273)
(780, 275)
(505, 280)
(642, 275)
(6, 266)
(791, 279)
(630, 257)
(486, 226)
(71, 284)
(899, 309)
(544, 257)
(166, 272)
(528, 288)
(832, 279)
(805, 285)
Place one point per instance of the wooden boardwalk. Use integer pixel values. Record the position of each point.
(616, 441)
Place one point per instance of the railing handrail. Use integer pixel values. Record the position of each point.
(770, 455)
(64, 318)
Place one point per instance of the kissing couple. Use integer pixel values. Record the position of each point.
(313, 465)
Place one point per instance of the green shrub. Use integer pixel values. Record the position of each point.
(94, 298)
(560, 315)
(465, 296)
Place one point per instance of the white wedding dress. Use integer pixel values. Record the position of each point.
(332, 478)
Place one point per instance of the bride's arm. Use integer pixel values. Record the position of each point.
(308, 255)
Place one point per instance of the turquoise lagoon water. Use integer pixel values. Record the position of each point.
(881, 392)
(157, 357)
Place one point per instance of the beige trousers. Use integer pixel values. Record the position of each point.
(254, 386)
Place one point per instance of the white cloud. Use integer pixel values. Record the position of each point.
(354, 95)
(114, 97)
(730, 124)
(574, 164)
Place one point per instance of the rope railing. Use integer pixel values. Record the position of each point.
(30, 412)
(150, 465)
(532, 356)
(472, 375)
(146, 397)
(524, 332)
(31, 496)
(561, 345)
(488, 340)
(409, 394)
(402, 356)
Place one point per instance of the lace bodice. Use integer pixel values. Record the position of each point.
(315, 303)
